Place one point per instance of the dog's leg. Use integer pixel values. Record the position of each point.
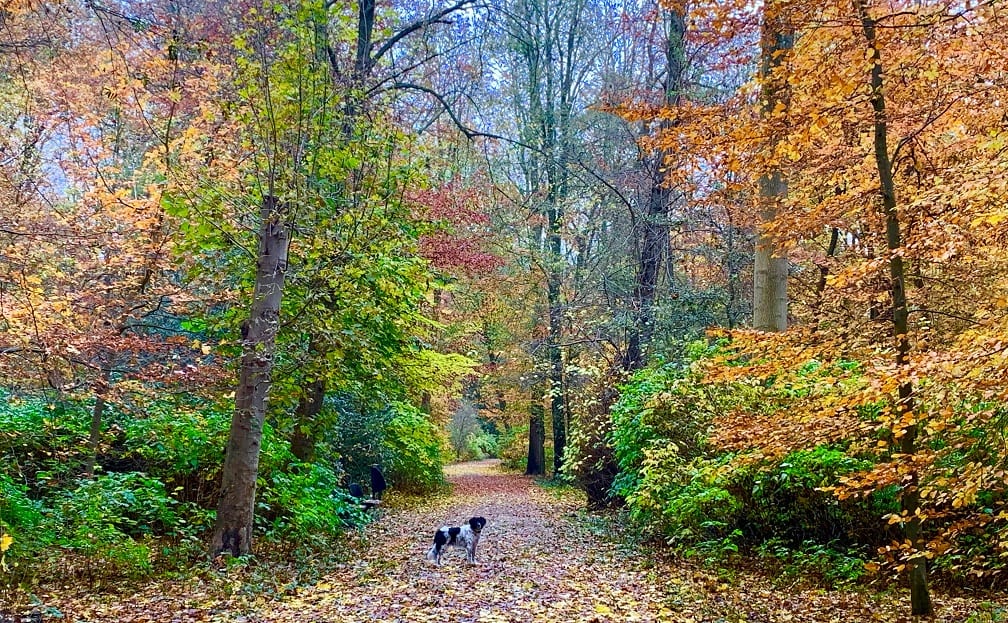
(440, 538)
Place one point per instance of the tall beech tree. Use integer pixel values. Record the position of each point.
(261, 140)
(770, 273)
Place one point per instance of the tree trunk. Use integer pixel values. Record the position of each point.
(770, 269)
(653, 250)
(97, 413)
(233, 528)
(556, 367)
(824, 275)
(536, 465)
(365, 30)
(655, 226)
(305, 421)
(920, 597)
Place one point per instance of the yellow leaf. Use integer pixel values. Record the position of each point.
(5, 542)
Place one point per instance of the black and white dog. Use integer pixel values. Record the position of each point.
(466, 536)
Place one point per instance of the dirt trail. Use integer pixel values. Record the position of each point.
(533, 564)
(539, 560)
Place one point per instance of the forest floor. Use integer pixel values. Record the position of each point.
(540, 559)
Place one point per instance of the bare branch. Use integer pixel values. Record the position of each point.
(435, 18)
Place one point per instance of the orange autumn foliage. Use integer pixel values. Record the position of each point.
(944, 85)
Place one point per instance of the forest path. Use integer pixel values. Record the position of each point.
(533, 563)
(540, 559)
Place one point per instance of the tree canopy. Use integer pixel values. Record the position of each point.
(736, 268)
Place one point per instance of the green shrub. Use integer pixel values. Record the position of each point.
(133, 504)
(714, 506)
(39, 434)
(399, 437)
(176, 439)
(275, 453)
(101, 551)
(831, 564)
(513, 448)
(22, 520)
(104, 523)
(785, 501)
(307, 503)
(820, 466)
(665, 408)
(415, 450)
(690, 504)
(23, 424)
(17, 511)
(481, 445)
(96, 523)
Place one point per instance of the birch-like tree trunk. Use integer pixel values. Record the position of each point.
(232, 531)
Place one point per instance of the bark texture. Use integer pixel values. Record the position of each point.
(233, 528)
(770, 269)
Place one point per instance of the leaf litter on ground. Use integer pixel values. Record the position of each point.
(539, 560)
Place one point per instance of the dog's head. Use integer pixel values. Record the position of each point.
(476, 524)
